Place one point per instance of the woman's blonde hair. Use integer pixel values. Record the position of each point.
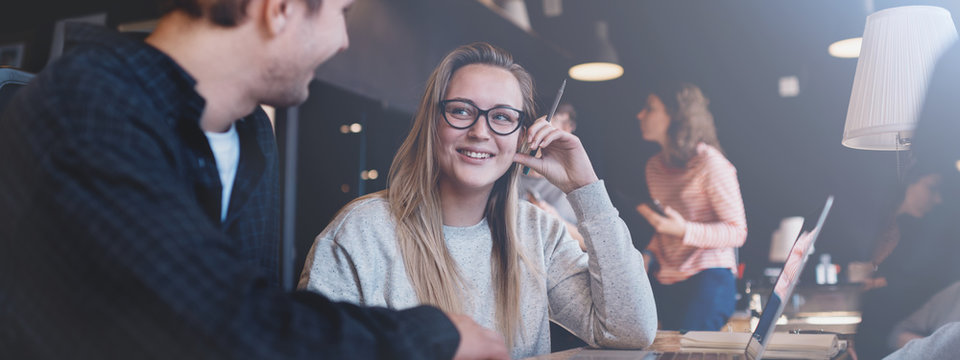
(690, 122)
(415, 201)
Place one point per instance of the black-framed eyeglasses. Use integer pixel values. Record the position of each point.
(462, 114)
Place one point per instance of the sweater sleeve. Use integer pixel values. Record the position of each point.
(603, 296)
(331, 271)
(723, 192)
(942, 344)
(933, 314)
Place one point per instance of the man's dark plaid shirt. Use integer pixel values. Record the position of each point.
(111, 244)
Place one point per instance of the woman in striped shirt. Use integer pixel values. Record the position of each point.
(702, 221)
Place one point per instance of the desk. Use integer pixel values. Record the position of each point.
(666, 341)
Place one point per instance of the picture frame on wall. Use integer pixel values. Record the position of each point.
(12, 55)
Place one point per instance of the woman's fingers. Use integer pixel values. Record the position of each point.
(536, 127)
(550, 137)
(529, 161)
(652, 217)
(672, 213)
(566, 165)
(537, 132)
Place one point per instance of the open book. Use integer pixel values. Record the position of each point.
(781, 346)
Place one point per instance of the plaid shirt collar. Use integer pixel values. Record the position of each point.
(173, 92)
(173, 88)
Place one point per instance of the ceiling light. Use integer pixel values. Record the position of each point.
(602, 62)
(596, 71)
(900, 48)
(846, 48)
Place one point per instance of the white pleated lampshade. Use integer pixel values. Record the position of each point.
(900, 49)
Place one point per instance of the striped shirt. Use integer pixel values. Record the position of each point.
(707, 194)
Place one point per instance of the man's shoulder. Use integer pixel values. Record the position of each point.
(99, 53)
(107, 68)
(92, 73)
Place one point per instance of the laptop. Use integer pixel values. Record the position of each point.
(758, 342)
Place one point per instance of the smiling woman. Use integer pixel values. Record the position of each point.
(451, 232)
(474, 155)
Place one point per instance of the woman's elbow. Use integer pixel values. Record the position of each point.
(640, 336)
(740, 235)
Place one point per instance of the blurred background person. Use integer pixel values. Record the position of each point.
(702, 222)
(539, 191)
(911, 265)
(921, 194)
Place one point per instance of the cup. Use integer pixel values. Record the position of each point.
(784, 237)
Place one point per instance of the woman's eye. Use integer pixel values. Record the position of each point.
(461, 111)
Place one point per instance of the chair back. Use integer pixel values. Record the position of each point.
(11, 80)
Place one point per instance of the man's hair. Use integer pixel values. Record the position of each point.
(227, 13)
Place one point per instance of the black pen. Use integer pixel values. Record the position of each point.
(556, 102)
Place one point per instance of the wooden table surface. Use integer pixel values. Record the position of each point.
(665, 341)
(668, 341)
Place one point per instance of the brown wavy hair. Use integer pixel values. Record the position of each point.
(691, 122)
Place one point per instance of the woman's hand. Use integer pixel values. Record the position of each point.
(673, 224)
(563, 160)
(874, 283)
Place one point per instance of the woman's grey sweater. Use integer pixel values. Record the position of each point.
(602, 295)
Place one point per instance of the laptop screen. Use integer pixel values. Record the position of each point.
(783, 288)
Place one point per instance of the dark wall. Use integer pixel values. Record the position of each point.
(32, 22)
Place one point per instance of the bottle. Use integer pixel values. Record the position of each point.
(826, 271)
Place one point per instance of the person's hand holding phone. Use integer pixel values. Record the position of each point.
(667, 222)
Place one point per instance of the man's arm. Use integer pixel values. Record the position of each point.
(138, 231)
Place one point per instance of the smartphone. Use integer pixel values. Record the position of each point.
(658, 207)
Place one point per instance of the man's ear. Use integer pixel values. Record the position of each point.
(276, 15)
